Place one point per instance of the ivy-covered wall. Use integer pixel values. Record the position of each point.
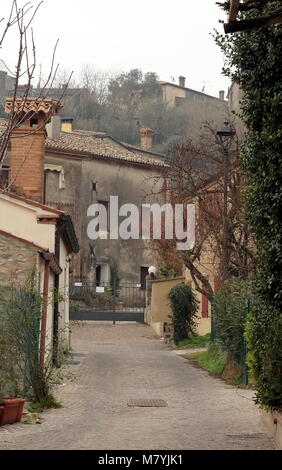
(253, 59)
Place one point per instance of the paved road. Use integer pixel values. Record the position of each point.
(135, 315)
(125, 362)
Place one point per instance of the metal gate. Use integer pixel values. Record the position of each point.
(107, 301)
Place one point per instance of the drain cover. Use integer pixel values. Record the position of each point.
(144, 403)
(245, 436)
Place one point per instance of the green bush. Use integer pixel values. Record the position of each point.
(264, 340)
(165, 272)
(184, 306)
(253, 60)
(20, 369)
(230, 308)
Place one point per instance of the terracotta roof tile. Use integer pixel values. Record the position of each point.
(101, 144)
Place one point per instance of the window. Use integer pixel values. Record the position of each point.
(33, 122)
(143, 274)
(4, 176)
(179, 100)
(98, 275)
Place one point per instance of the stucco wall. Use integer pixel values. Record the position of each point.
(64, 295)
(130, 183)
(170, 92)
(159, 310)
(20, 219)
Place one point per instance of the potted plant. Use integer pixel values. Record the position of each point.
(12, 410)
(1, 405)
(11, 405)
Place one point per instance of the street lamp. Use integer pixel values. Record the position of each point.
(225, 135)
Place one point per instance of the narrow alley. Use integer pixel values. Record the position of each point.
(113, 365)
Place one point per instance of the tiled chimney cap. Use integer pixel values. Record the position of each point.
(30, 105)
(146, 131)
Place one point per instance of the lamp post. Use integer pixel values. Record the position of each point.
(225, 135)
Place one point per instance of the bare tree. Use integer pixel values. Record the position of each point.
(96, 82)
(21, 20)
(196, 175)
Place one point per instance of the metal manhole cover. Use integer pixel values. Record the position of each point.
(145, 403)
(245, 436)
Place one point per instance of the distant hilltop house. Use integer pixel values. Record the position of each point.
(235, 95)
(61, 93)
(7, 84)
(174, 95)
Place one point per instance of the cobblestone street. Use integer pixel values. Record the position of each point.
(126, 362)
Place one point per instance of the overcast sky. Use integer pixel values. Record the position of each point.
(169, 37)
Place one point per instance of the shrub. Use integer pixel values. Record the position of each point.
(184, 306)
(264, 339)
(253, 60)
(165, 272)
(20, 369)
(230, 308)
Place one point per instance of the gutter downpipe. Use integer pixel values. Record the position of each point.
(44, 315)
(56, 301)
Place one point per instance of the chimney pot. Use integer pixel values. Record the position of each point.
(221, 95)
(146, 138)
(182, 81)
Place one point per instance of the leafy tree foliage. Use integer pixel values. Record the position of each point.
(230, 307)
(253, 59)
(184, 306)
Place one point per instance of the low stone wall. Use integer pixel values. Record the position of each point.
(16, 259)
(158, 308)
(273, 422)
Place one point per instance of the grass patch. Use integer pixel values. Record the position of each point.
(195, 342)
(213, 360)
(216, 362)
(39, 406)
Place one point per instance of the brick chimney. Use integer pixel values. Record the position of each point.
(146, 138)
(28, 143)
(221, 95)
(182, 81)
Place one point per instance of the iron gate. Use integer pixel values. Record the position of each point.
(107, 301)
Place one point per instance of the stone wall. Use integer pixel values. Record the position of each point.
(273, 422)
(16, 259)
